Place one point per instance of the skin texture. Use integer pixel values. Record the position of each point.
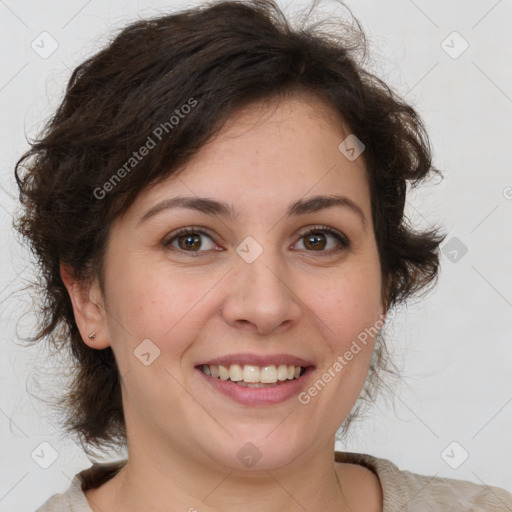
(183, 436)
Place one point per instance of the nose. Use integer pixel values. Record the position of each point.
(261, 296)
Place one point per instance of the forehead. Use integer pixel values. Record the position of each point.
(270, 153)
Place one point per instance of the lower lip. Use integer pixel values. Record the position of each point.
(260, 396)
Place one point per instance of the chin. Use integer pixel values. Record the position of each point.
(257, 451)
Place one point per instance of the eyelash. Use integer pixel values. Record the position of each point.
(342, 239)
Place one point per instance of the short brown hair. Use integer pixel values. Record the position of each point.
(222, 57)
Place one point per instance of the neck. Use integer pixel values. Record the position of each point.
(152, 480)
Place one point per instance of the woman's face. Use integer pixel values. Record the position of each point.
(246, 285)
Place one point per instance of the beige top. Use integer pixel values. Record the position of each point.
(402, 490)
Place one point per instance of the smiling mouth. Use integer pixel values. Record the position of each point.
(253, 376)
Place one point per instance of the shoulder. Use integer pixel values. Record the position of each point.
(405, 490)
(73, 499)
(361, 487)
(460, 495)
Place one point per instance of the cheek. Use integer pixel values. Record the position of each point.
(150, 301)
(349, 309)
(155, 306)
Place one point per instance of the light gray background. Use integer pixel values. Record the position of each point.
(454, 347)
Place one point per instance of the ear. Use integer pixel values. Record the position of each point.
(87, 301)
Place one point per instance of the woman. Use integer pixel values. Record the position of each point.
(218, 210)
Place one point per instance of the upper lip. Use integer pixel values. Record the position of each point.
(258, 360)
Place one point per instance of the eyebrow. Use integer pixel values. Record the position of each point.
(221, 209)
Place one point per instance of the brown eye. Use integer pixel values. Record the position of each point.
(317, 239)
(188, 240)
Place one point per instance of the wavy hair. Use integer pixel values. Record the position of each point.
(222, 56)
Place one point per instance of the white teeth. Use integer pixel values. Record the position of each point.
(282, 372)
(268, 374)
(252, 374)
(235, 373)
(223, 371)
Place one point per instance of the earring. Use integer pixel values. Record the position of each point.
(92, 335)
